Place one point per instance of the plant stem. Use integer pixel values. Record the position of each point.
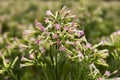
(12, 74)
(51, 56)
(56, 61)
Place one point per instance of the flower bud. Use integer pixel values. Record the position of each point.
(74, 44)
(48, 13)
(58, 42)
(42, 28)
(72, 24)
(88, 45)
(55, 36)
(46, 20)
(31, 56)
(80, 33)
(66, 28)
(57, 26)
(107, 73)
(37, 41)
(62, 48)
(38, 24)
(100, 79)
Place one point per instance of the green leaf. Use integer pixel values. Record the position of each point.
(15, 60)
(102, 62)
(2, 71)
(4, 62)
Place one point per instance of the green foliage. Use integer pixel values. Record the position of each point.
(58, 48)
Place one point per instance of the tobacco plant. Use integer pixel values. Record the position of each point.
(54, 49)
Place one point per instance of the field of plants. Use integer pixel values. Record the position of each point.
(59, 40)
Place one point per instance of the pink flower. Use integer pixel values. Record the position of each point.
(37, 41)
(23, 58)
(46, 20)
(42, 28)
(55, 36)
(81, 55)
(115, 79)
(47, 33)
(72, 23)
(62, 48)
(38, 24)
(31, 56)
(117, 32)
(100, 79)
(107, 73)
(88, 45)
(57, 26)
(42, 49)
(58, 42)
(66, 28)
(80, 33)
(74, 44)
(48, 12)
(73, 29)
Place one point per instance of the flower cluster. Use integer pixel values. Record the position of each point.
(57, 41)
(61, 31)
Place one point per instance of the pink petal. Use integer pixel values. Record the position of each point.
(47, 20)
(62, 49)
(72, 23)
(31, 56)
(48, 12)
(88, 45)
(42, 28)
(100, 79)
(57, 26)
(55, 36)
(38, 24)
(80, 33)
(58, 42)
(66, 28)
(74, 44)
(107, 73)
(37, 41)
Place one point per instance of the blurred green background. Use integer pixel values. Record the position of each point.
(99, 18)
